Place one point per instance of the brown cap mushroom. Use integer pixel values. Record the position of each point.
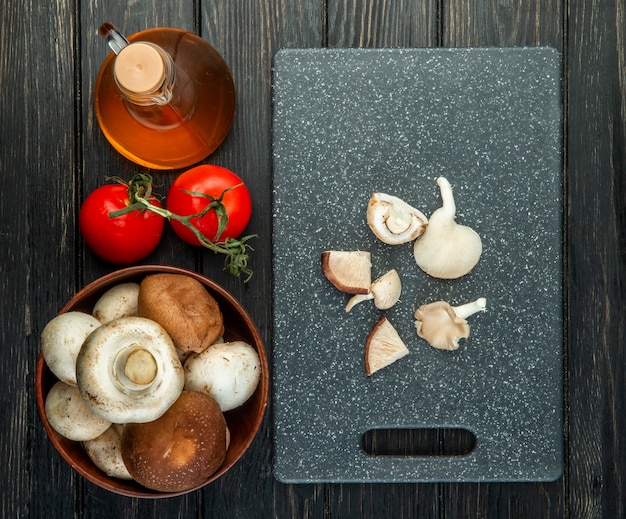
(181, 304)
(442, 325)
(447, 250)
(348, 271)
(385, 291)
(393, 221)
(383, 347)
(181, 449)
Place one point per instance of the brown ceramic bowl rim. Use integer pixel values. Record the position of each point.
(67, 449)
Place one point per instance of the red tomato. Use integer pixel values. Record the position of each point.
(123, 239)
(213, 181)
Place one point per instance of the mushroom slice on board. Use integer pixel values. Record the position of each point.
(447, 250)
(128, 370)
(442, 325)
(383, 347)
(385, 291)
(348, 271)
(393, 221)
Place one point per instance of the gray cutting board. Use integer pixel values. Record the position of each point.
(348, 122)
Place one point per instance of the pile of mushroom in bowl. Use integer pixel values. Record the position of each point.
(152, 381)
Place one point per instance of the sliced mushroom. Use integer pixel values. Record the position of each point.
(70, 416)
(228, 372)
(383, 347)
(393, 221)
(442, 325)
(106, 452)
(118, 301)
(61, 340)
(348, 271)
(128, 370)
(447, 250)
(385, 291)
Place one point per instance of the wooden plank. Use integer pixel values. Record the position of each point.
(37, 164)
(597, 251)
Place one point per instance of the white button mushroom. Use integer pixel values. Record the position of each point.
(442, 325)
(385, 291)
(128, 370)
(61, 340)
(229, 372)
(70, 416)
(393, 221)
(106, 452)
(118, 301)
(447, 250)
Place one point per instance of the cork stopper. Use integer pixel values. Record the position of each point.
(139, 68)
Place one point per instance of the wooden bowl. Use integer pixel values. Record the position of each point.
(243, 422)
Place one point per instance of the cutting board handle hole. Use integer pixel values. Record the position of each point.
(419, 442)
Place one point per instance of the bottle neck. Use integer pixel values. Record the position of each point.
(144, 74)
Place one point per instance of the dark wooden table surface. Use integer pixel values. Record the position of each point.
(52, 154)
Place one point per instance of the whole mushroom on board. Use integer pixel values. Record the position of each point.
(61, 340)
(393, 221)
(385, 291)
(447, 250)
(128, 370)
(442, 325)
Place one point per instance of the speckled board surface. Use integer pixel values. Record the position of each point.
(348, 122)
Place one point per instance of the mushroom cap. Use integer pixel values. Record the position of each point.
(70, 416)
(447, 251)
(229, 372)
(383, 347)
(106, 370)
(438, 324)
(106, 453)
(181, 449)
(183, 307)
(393, 221)
(118, 301)
(348, 271)
(61, 340)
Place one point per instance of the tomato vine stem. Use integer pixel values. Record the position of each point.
(235, 249)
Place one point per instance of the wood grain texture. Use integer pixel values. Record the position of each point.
(596, 143)
(52, 154)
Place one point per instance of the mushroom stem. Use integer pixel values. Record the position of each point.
(140, 367)
(358, 298)
(464, 311)
(447, 198)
